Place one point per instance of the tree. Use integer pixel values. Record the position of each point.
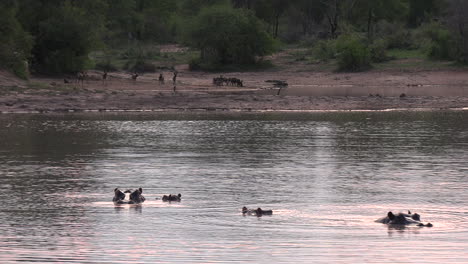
(457, 20)
(156, 19)
(422, 10)
(229, 36)
(193, 7)
(243, 3)
(271, 12)
(64, 41)
(368, 12)
(279, 7)
(15, 43)
(332, 11)
(353, 54)
(309, 13)
(122, 19)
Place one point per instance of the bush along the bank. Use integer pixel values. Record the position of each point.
(106, 66)
(64, 42)
(441, 44)
(140, 65)
(324, 50)
(228, 36)
(352, 54)
(378, 51)
(15, 43)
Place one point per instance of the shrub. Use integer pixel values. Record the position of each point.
(352, 54)
(106, 66)
(228, 36)
(195, 64)
(395, 34)
(14, 61)
(140, 52)
(324, 50)
(64, 41)
(15, 43)
(378, 51)
(140, 66)
(143, 66)
(441, 44)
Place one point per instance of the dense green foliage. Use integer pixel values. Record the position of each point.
(353, 54)
(58, 36)
(64, 41)
(324, 50)
(378, 51)
(15, 43)
(228, 36)
(442, 44)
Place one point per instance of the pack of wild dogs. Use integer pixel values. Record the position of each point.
(82, 76)
(224, 81)
(136, 198)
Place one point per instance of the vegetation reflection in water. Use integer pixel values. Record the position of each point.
(327, 176)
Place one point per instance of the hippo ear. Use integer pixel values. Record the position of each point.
(116, 189)
(180, 195)
(409, 212)
(416, 217)
(141, 190)
(391, 216)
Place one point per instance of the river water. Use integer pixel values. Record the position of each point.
(326, 176)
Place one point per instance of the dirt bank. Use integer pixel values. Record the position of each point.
(308, 89)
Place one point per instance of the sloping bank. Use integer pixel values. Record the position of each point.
(49, 101)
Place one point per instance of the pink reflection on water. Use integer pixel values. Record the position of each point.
(147, 203)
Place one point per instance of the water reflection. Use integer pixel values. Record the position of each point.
(128, 208)
(327, 177)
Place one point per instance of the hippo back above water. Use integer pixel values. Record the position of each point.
(402, 219)
(128, 197)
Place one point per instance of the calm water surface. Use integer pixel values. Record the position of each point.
(327, 176)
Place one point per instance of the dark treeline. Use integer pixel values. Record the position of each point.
(57, 36)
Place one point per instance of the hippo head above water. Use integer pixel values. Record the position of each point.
(258, 212)
(172, 198)
(128, 197)
(402, 219)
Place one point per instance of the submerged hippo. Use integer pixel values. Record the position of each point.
(128, 197)
(258, 212)
(402, 219)
(172, 198)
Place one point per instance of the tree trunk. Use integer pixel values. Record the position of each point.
(463, 39)
(333, 19)
(369, 25)
(276, 25)
(333, 25)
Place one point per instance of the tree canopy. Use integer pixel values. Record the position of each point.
(15, 43)
(57, 36)
(229, 36)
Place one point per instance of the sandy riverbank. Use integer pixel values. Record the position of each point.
(307, 90)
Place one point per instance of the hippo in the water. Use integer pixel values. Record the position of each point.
(258, 212)
(172, 198)
(128, 197)
(402, 219)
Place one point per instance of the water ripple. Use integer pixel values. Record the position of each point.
(327, 177)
